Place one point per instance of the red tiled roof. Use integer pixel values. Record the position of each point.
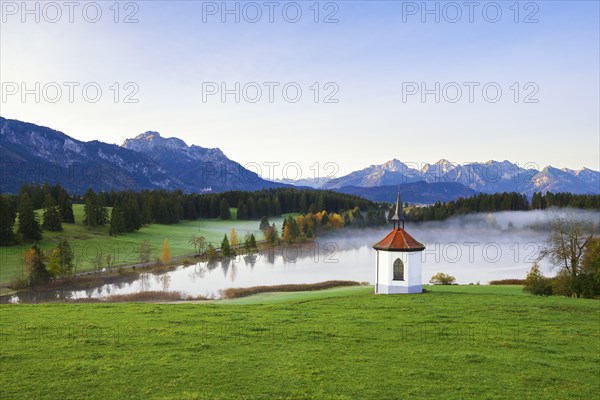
(399, 240)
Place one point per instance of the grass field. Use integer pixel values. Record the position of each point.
(454, 342)
(86, 242)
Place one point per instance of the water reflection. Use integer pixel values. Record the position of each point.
(475, 248)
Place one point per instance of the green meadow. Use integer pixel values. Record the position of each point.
(452, 342)
(87, 242)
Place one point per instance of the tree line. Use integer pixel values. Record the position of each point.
(306, 226)
(132, 210)
(57, 208)
(512, 201)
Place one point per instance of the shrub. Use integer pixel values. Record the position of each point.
(442, 279)
(211, 253)
(562, 285)
(20, 282)
(588, 284)
(536, 283)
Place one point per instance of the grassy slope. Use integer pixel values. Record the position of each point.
(124, 248)
(455, 342)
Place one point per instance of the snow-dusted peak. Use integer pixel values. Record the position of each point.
(393, 165)
(149, 135)
(152, 140)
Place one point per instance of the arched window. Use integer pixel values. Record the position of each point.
(398, 270)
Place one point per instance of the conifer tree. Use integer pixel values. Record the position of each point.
(225, 213)
(117, 223)
(52, 217)
(7, 221)
(225, 247)
(252, 242)
(29, 227)
(65, 205)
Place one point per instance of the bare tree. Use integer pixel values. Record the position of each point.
(565, 244)
(198, 242)
(145, 251)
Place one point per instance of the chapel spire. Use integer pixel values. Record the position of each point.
(398, 215)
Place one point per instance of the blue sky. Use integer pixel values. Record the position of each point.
(370, 55)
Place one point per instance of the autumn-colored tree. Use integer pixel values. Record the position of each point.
(336, 221)
(60, 262)
(234, 238)
(271, 234)
(301, 221)
(30, 257)
(286, 234)
(35, 266)
(166, 252)
(319, 216)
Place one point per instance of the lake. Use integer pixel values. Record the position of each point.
(474, 248)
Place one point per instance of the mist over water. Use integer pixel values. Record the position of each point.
(480, 247)
(473, 248)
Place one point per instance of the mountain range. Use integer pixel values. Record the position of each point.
(32, 153)
(487, 177)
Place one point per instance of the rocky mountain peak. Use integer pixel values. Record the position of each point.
(151, 140)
